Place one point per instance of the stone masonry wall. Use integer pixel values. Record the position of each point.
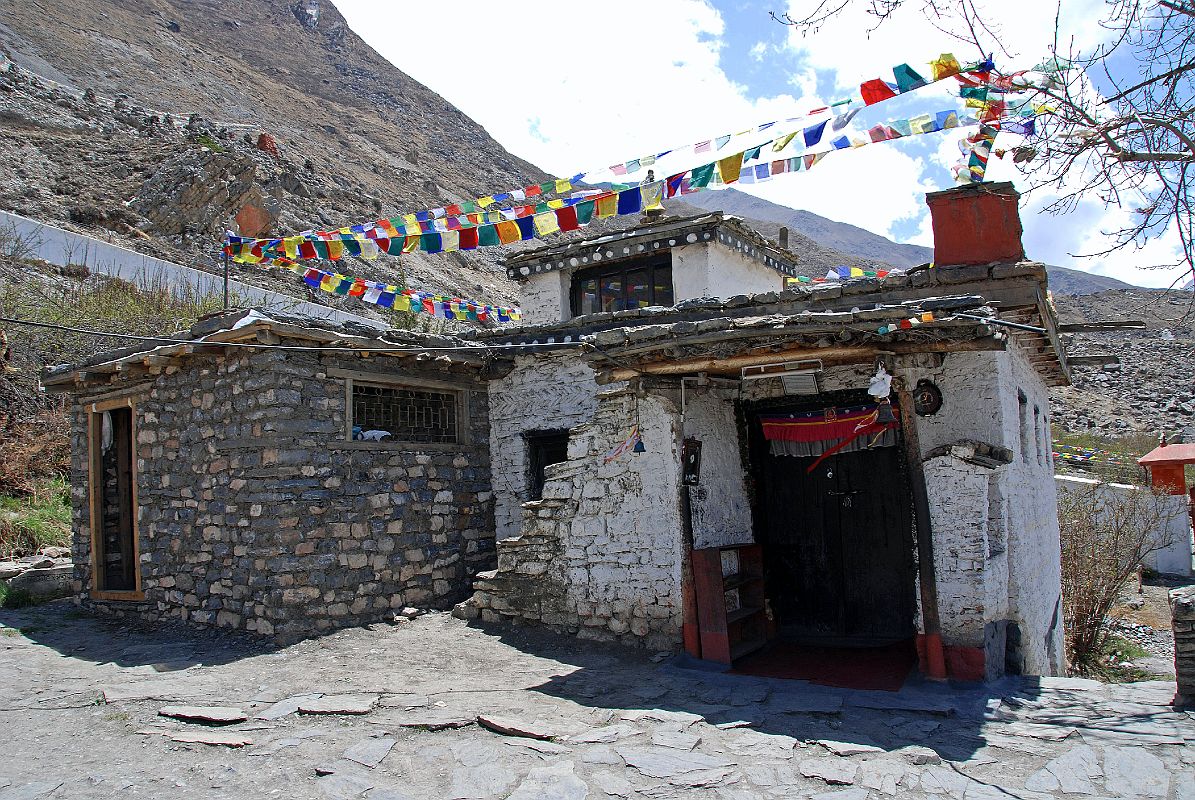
(256, 514)
(600, 555)
(1182, 614)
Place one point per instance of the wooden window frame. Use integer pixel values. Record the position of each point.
(621, 268)
(94, 412)
(390, 381)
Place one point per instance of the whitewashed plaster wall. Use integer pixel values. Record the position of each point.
(709, 269)
(542, 392)
(624, 548)
(1034, 550)
(1172, 537)
(699, 269)
(544, 298)
(1011, 518)
(719, 503)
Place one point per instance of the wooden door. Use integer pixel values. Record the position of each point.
(838, 547)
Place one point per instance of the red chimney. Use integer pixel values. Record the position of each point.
(976, 224)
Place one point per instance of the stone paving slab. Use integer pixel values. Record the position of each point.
(719, 736)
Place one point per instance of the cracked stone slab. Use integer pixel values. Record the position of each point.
(676, 739)
(404, 701)
(882, 774)
(660, 715)
(848, 748)
(342, 787)
(427, 720)
(285, 707)
(1073, 772)
(605, 734)
(1134, 772)
(216, 715)
(214, 738)
(339, 704)
(483, 780)
(547, 748)
(837, 771)
(508, 726)
(854, 793)
(294, 740)
(370, 752)
(556, 782)
(30, 791)
(1053, 733)
(663, 762)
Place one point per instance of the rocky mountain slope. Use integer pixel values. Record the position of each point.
(152, 133)
(140, 122)
(1153, 387)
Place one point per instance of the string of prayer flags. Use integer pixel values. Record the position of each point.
(542, 219)
(977, 149)
(846, 273)
(905, 79)
(397, 298)
(624, 446)
(906, 324)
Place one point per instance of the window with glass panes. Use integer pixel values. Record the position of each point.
(634, 283)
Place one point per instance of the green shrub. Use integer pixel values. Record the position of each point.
(14, 598)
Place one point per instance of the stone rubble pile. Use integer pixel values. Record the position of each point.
(45, 575)
(1152, 388)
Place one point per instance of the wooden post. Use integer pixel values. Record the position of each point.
(934, 654)
(226, 281)
(690, 631)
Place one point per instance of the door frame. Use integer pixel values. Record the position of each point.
(756, 453)
(95, 413)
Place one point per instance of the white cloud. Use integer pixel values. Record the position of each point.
(631, 78)
(627, 79)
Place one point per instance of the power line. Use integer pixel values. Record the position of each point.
(260, 346)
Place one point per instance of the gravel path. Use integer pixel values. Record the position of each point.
(435, 708)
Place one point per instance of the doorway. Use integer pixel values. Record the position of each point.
(113, 501)
(837, 536)
(544, 448)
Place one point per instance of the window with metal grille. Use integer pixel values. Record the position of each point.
(407, 414)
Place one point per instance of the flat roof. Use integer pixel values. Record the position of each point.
(653, 237)
(1169, 454)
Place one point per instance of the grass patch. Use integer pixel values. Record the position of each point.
(209, 143)
(1115, 662)
(9, 632)
(39, 519)
(14, 598)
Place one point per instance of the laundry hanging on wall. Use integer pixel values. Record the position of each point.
(827, 431)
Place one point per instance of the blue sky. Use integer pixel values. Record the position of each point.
(619, 79)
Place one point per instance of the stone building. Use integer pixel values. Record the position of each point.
(955, 547)
(680, 450)
(219, 481)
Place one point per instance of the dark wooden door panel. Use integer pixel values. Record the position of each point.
(838, 545)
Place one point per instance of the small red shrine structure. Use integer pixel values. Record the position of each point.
(1166, 464)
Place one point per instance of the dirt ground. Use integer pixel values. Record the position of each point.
(1144, 619)
(450, 710)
